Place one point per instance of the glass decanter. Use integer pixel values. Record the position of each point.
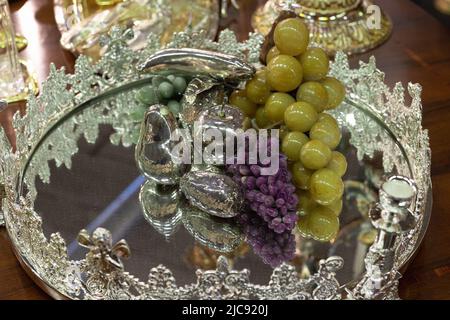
(11, 78)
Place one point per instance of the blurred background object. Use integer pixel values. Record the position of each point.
(12, 82)
(17, 80)
(443, 6)
(83, 22)
(352, 26)
(440, 9)
(21, 42)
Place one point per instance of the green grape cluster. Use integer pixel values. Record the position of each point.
(167, 90)
(292, 92)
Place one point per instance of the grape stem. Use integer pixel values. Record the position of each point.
(255, 125)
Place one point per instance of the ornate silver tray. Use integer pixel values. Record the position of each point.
(73, 211)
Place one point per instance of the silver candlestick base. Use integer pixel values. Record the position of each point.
(391, 217)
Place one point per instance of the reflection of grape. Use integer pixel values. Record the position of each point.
(301, 175)
(270, 214)
(273, 248)
(305, 203)
(323, 224)
(303, 226)
(272, 197)
(336, 206)
(326, 186)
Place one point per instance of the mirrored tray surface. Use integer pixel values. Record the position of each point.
(101, 189)
(74, 207)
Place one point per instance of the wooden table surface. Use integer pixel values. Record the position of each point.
(418, 51)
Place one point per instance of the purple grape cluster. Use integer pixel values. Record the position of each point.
(271, 208)
(272, 197)
(273, 248)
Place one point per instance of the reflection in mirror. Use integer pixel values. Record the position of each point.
(215, 233)
(104, 187)
(160, 206)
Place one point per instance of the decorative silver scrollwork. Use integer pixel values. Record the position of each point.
(105, 278)
(101, 274)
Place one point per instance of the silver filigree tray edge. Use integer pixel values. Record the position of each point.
(52, 254)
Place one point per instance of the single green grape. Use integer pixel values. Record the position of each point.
(325, 117)
(315, 154)
(273, 52)
(303, 226)
(276, 105)
(166, 90)
(283, 131)
(335, 90)
(305, 203)
(157, 80)
(301, 176)
(284, 73)
(326, 132)
(239, 99)
(326, 186)
(170, 77)
(180, 85)
(291, 36)
(261, 118)
(147, 96)
(315, 63)
(247, 123)
(338, 163)
(258, 91)
(314, 93)
(336, 206)
(323, 224)
(300, 116)
(174, 106)
(292, 144)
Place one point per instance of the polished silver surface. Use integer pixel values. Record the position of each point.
(216, 126)
(219, 66)
(155, 146)
(214, 193)
(391, 217)
(201, 94)
(222, 235)
(75, 169)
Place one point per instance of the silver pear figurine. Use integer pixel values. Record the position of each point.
(154, 149)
